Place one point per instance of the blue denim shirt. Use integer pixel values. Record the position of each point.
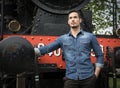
(77, 53)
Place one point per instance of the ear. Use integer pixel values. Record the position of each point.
(81, 20)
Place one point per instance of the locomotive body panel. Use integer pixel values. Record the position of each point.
(55, 57)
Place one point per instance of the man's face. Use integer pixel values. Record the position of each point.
(74, 20)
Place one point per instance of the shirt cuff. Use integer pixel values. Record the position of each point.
(99, 65)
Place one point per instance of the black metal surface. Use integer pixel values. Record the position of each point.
(111, 56)
(46, 23)
(61, 6)
(16, 55)
(117, 56)
(2, 19)
(19, 10)
(114, 16)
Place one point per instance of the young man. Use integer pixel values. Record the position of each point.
(76, 46)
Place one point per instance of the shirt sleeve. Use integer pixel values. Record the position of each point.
(50, 47)
(98, 52)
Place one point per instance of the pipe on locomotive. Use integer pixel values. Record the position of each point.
(2, 19)
(14, 25)
(117, 32)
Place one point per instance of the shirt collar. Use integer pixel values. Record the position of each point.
(81, 32)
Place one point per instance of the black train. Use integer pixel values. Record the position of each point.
(41, 17)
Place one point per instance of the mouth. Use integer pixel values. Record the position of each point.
(73, 23)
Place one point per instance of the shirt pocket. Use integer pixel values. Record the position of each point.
(67, 45)
(85, 44)
(84, 41)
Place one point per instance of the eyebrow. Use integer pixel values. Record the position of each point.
(73, 17)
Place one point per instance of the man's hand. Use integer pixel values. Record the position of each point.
(97, 71)
(37, 52)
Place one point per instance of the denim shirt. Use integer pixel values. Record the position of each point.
(77, 53)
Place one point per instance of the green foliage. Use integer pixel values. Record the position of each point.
(111, 82)
(102, 13)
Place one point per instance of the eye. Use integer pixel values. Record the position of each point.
(75, 17)
(70, 17)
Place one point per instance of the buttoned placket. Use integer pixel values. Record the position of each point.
(76, 54)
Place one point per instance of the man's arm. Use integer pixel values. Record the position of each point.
(48, 48)
(99, 56)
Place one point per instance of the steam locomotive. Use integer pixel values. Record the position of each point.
(27, 23)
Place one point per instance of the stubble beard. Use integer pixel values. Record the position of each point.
(74, 27)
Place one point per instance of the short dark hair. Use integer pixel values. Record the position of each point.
(80, 14)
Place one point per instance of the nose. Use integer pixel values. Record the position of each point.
(72, 19)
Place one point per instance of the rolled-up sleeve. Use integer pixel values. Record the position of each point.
(98, 52)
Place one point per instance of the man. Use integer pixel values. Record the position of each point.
(76, 46)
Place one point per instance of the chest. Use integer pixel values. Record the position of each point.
(76, 43)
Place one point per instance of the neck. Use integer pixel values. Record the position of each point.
(75, 31)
